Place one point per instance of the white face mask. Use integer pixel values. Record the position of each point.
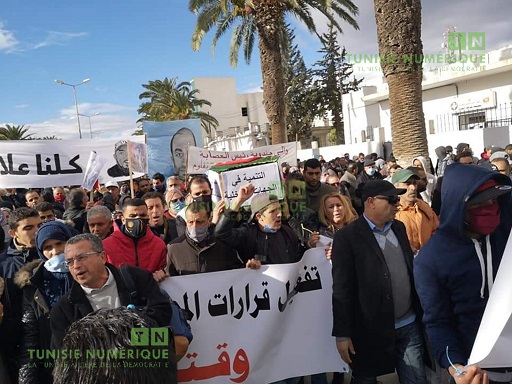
(197, 234)
(56, 264)
(371, 171)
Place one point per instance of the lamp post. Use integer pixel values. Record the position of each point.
(74, 95)
(89, 116)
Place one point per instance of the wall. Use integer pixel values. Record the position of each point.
(476, 138)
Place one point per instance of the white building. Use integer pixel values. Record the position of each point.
(471, 103)
(243, 123)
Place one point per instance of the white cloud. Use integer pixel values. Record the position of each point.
(253, 89)
(111, 122)
(8, 41)
(58, 38)
(21, 106)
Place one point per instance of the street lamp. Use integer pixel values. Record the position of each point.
(89, 116)
(74, 95)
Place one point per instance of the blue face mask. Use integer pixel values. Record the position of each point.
(268, 229)
(56, 264)
(178, 206)
(371, 171)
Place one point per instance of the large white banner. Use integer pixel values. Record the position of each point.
(493, 344)
(199, 160)
(48, 163)
(259, 326)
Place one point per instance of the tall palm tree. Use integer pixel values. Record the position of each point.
(264, 18)
(15, 132)
(399, 33)
(169, 101)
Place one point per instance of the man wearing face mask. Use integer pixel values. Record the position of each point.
(265, 238)
(133, 243)
(455, 270)
(197, 250)
(43, 282)
(199, 190)
(369, 172)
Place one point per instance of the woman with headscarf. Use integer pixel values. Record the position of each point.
(175, 202)
(43, 283)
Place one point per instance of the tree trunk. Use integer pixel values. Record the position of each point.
(399, 35)
(269, 16)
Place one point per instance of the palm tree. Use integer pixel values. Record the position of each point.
(14, 132)
(399, 34)
(169, 101)
(264, 18)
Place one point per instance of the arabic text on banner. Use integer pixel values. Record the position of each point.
(48, 163)
(199, 160)
(259, 326)
(168, 142)
(266, 178)
(493, 342)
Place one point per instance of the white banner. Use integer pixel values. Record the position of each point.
(199, 160)
(493, 342)
(49, 163)
(259, 326)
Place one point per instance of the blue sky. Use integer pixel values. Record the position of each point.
(120, 45)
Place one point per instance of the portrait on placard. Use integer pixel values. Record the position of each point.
(179, 144)
(121, 158)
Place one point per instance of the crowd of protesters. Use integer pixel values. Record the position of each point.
(414, 252)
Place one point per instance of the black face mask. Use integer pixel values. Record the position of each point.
(135, 227)
(206, 200)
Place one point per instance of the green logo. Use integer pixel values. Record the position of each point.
(143, 337)
(459, 41)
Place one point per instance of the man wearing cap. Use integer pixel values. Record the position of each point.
(455, 270)
(198, 250)
(369, 173)
(419, 219)
(121, 157)
(265, 239)
(375, 307)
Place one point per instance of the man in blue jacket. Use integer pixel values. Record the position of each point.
(455, 270)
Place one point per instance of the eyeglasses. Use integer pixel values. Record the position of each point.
(333, 184)
(173, 201)
(70, 263)
(390, 199)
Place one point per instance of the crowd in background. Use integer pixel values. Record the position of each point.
(393, 231)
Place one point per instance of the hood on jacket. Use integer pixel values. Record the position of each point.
(423, 161)
(459, 183)
(22, 277)
(441, 152)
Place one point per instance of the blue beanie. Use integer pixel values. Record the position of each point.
(53, 230)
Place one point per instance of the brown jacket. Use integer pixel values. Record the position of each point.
(420, 222)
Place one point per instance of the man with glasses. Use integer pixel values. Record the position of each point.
(98, 284)
(376, 311)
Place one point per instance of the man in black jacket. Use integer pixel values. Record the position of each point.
(23, 225)
(375, 306)
(100, 285)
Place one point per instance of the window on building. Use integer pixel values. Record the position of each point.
(244, 111)
(471, 120)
